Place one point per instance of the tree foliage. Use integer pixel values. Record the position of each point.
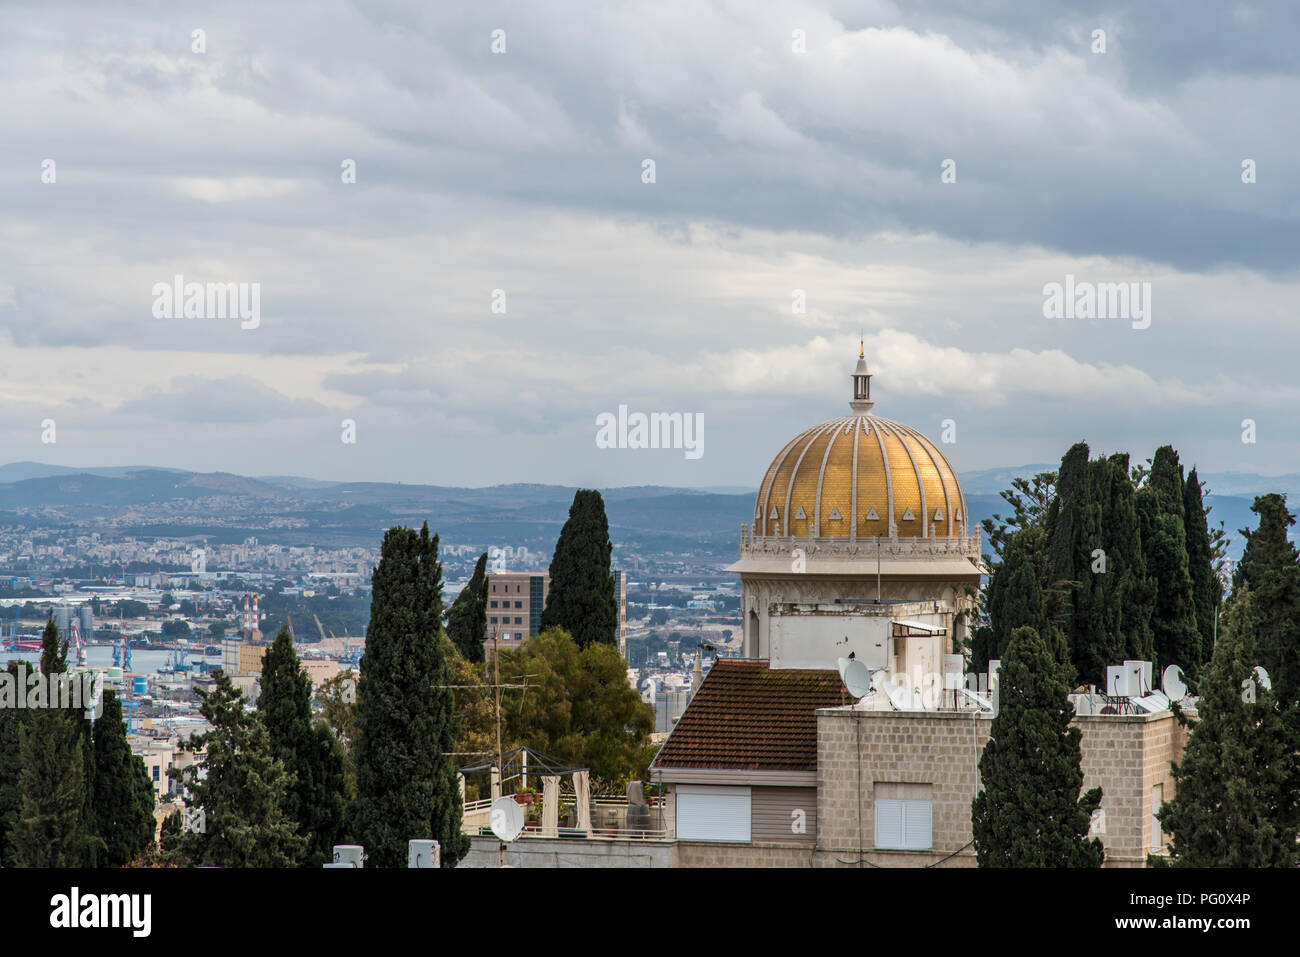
(578, 706)
(241, 792)
(467, 621)
(123, 793)
(316, 800)
(1030, 812)
(581, 598)
(1237, 792)
(406, 778)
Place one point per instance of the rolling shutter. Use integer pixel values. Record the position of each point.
(713, 813)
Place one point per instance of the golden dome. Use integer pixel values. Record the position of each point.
(860, 476)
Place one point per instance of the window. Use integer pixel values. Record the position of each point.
(492, 621)
(519, 635)
(1157, 802)
(711, 813)
(904, 817)
(519, 604)
(156, 769)
(492, 604)
(519, 621)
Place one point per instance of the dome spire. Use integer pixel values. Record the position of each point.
(861, 382)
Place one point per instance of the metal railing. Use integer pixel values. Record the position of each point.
(608, 822)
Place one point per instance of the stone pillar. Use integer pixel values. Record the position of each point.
(582, 799)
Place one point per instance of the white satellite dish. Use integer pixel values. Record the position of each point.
(1263, 677)
(506, 819)
(1172, 684)
(856, 676)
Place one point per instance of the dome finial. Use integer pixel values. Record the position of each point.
(861, 382)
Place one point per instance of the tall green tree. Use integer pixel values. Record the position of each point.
(467, 621)
(1030, 812)
(1237, 793)
(52, 828)
(1270, 568)
(1016, 598)
(581, 599)
(124, 798)
(1123, 589)
(1161, 513)
(406, 727)
(312, 754)
(1073, 535)
(13, 722)
(241, 790)
(1206, 587)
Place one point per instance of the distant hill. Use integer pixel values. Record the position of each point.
(651, 517)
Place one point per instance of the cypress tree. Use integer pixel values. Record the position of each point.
(242, 789)
(1073, 533)
(13, 722)
(1127, 594)
(52, 829)
(581, 598)
(1030, 812)
(1206, 587)
(467, 621)
(123, 809)
(1164, 539)
(315, 801)
(1236, 788)
(406, 781)
(1270, 568)
(1016, 598)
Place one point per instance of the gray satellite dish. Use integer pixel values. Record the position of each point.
(506, 819)
(1263, 677)
(1172, 684)
(856, 677)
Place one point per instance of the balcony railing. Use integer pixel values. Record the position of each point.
(608, 822)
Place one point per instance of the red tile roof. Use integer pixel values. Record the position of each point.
(749, 717)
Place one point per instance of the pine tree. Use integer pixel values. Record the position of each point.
(1030, 812)
(52, 829)
(1206, 587)
(581, 598)
(1236, 793)
(241, 792)
(406, 780)
(315, 801)
(467, 622)
(1270, 568)
(1164, 540)
(123, 809)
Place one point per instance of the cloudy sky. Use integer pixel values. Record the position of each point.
(796, 146)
